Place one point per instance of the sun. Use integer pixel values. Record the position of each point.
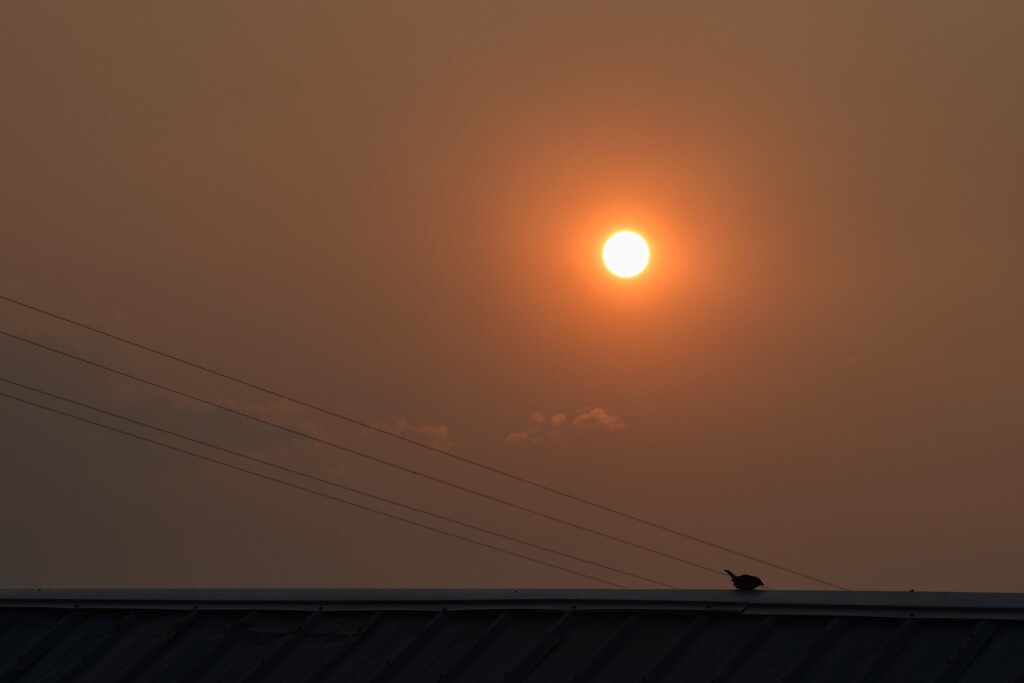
(626, 254)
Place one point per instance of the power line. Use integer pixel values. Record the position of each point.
(361, 454)
(328, 482)
(435, 449)
(312, 491)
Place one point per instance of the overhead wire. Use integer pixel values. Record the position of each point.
(420, 444)
(329, 482)
(314, 491)
(367, 456)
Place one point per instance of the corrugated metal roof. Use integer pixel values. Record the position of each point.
(526, 635)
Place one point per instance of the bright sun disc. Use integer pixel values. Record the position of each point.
(626, 254)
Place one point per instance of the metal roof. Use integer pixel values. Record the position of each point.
(508, 635)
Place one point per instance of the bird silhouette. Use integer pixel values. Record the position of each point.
(744, 582)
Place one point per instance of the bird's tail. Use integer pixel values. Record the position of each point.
(731, 575)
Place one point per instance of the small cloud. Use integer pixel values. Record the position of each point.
(277, 411)
(560, 425)
(285, 413)
(127, 390)
(438, 436)
(598, 417)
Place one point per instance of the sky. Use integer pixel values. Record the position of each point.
(395, 211)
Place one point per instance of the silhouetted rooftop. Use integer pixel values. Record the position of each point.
(509, 635)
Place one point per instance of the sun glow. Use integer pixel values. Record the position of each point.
(626, 254)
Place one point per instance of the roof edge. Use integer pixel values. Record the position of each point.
(884, 604)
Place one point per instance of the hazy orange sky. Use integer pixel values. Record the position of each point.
(396, 211)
